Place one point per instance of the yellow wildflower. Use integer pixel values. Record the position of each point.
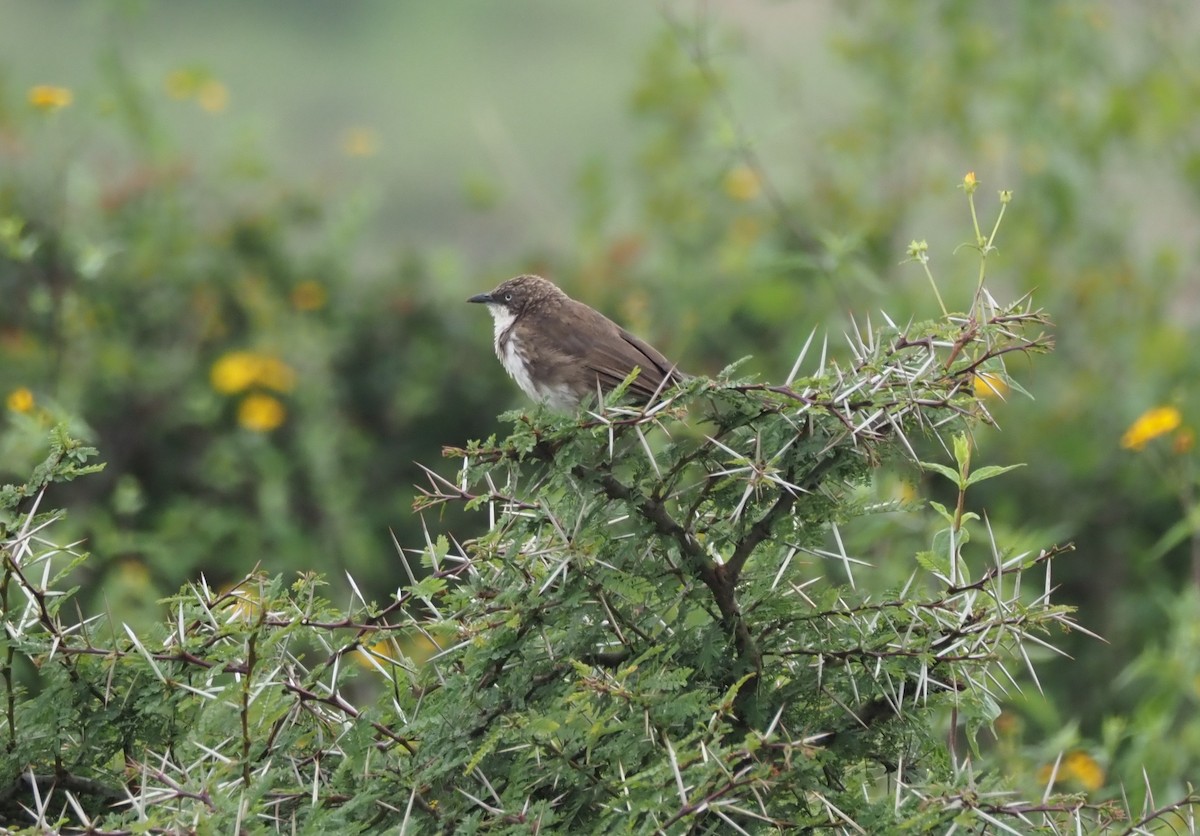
(234, 372)
(213, 96)
(1076, 767)
(1150, 425)
(20, 400)
(420, 648)
(414, 647)
(238, 371)
(1083, 768)
(308, 296)
(970, 183)
(742, 183)
(360, 141)
(261, 413)
(990, 385)
(134, 572)
(244, 603)
(49, 97)
(384, 652)
(196, 82)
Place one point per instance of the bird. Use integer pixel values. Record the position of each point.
(561, 351)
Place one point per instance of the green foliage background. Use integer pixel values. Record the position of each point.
(751, 195)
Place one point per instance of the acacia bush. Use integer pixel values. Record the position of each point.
(155, 291)
(660, 631)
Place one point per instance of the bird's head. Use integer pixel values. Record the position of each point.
(513, 297)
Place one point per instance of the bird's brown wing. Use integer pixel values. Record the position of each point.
(614, 354)
(654, 367)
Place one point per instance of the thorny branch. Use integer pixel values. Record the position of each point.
(869, 399)
(837, 416)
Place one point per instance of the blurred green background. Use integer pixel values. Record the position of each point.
(235, 241)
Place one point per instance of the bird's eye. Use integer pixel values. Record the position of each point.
(507, 297)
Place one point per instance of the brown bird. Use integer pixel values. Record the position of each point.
(559, 350)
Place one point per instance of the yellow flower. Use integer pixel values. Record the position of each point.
(234, 372)
(1078, 767)
(134, 572)
(990, 385)
(742, 183)
(415, 647)
(360, 141)
(384, 652)
(49, 97)
(970, 183)
(238, 371)
(242, 601)
(189, 82)
(213, 96)
(308, 296)
(20, 400)
(1150, 425)
(261, 413)
(1083, 768)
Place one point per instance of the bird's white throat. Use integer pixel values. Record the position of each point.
(509, 350)
(502, 319)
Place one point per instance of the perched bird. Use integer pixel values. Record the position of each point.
(559, 350)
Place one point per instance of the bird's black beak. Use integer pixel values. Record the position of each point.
(481, 297)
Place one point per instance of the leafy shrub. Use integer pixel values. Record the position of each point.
(260, 395)
(659, 631)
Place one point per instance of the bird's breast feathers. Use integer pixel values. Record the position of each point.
(513, 357)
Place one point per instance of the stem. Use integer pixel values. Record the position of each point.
(996, 227)
(951, 738)
(979, 239)
(975, 306)
(985, 246)
(933, 284)
(7, 670)
(720, 580)
(1187, 502)
(251, 660)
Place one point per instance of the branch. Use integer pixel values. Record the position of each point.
(66, 781)
(758, 532)
(1190, 800)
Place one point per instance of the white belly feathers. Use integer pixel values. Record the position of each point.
(508, 349)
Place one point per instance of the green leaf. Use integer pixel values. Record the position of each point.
(990, 471)
(952, 475)
(489, 744)
(429, 586)
(932, 561)
(942, 510)
(942, 540)
(543, 727)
